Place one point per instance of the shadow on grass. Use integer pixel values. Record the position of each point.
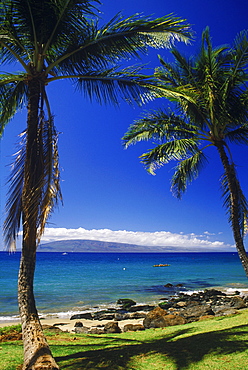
(180, 351)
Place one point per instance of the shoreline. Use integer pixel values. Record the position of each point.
(68, 325)
(63, 320)
(85, 283)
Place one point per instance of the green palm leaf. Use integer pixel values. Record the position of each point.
(164, 153)
(240, 200)
(187, 171)
(240, 54)
(119, 39)
(239, 135)
(13, 95)
(107, 86)
(159, 126)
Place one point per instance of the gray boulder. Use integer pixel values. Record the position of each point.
(226, 312)
(112, 327)
(81, 330)
(237, 302)
(158, 318)
(78, 324)
(137, 315)
(126, 303)
(86, 316)
(133, 327)
(105, 316)
(96, 331)
(121, 316)
(194, 312)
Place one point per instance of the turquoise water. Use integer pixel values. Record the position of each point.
(81, 281)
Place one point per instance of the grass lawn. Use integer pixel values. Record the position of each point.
(215, 344)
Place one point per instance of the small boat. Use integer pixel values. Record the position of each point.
(161, 265)
(64, 254)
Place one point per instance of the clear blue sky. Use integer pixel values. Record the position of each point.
(105, 186)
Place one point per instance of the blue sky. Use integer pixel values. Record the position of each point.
(106, 191)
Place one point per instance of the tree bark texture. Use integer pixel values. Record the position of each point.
(37, 355)
(231, 177)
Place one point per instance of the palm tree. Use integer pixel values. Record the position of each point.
(211, 97)
(52, 40)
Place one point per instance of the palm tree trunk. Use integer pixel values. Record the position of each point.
(37, 355)
(232, 185)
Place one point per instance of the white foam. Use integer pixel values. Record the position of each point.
(231, 291)
(191, 292)
(9, 318)
(85, 309)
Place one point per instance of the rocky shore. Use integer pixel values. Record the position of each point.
(180, 309)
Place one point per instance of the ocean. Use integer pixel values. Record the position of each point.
(78, 282)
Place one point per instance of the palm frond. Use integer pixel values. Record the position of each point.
(240, 53)
(211, 62)
(234, 104)
(38, 20)
(185, 65)
(70, 19)
(170, 78)
(179, 82)
(183, 94)
(40, 200)
(65, 35)
(14, 197)
(172, 150)
(14, 43)
(158, 126)
(119, 39)
(29, 28)
(50, 179)
(187, 171)
(13, 94)
(240, 201)
(157, 33)
(234, 85)
(106, 86)
(11, 51)
(41, 187)
(239, 135)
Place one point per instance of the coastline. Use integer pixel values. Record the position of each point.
(89, 282)
(63, 321)
(68, 325)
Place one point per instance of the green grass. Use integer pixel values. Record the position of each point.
(215, 344)
(10, 329)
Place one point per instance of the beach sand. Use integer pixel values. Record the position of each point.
(69, 325)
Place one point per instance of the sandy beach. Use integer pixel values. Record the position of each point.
(69, 325)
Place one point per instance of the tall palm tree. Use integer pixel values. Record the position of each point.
(52, 40)
(211, 97)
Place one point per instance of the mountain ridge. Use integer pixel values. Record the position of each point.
(90, 246)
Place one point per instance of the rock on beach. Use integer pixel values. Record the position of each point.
(180, 309)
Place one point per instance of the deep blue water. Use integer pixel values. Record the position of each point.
(79, 281)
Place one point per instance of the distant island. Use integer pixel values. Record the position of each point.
(97, 246)
(68, 246)
(91, 246)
